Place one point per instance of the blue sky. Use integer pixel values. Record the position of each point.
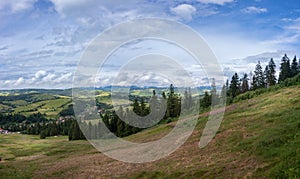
(41, 41)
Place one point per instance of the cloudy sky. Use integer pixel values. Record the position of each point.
(42, 41)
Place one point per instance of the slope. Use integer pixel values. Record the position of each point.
(259, 137)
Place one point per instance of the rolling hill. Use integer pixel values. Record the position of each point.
(259, 137)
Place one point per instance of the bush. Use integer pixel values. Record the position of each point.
(43, 135)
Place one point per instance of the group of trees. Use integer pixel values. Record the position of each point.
(20, 123)
(50, 128)
(113, 120)
(262, 78)
(35, 124)
(166, 106)
(287, 69)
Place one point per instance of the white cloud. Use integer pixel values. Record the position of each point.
(17, 5)
(65, 78)
(254, 10)
(19, 81)
(49, 78)
(40, 74)
(40, 79)
(184, 10)
(219, 2)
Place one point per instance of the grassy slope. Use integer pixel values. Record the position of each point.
(259, 137)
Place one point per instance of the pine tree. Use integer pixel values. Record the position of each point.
(266, 75)
(270, 72)
(136, 107)
(234, 87)
(258, 77)
(245, 84)
(285, 69)
(227, 88)
(173, 104)
(294, 67)
(299, 66)
(206, 100)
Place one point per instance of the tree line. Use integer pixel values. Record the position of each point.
(261, 78)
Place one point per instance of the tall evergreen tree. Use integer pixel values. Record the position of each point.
(294, 67)
(245, 84)
(136, 107)
(173, 103)
(234, 86)
(227, 87)
(299, 66)
(270, 73)
(285, 69)
(205, 102)
(258, 77)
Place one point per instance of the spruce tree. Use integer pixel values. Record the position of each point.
(294, 67)
(258, 77)
(270, 73)
(234, 86)
(136, 107)
(206, 100)
(285, 69)
(173, 104)
(299, 66)
(245, 84)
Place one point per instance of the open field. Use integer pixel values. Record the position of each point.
(258, 138)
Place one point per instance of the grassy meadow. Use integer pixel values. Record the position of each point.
(258, 138)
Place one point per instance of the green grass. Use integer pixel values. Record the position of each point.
(49, 107)
(24, 154)
(258, 138)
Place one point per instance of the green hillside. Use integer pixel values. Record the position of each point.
(29, 102)
(259, 137)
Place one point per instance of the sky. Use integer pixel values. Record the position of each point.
(42, 41)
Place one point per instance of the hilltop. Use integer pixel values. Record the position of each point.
(259, 137)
